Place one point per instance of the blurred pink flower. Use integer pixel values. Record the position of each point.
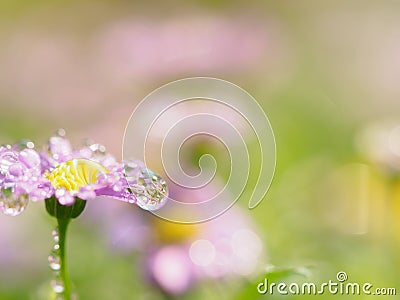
(171, 269)
(179, 256)
(145, 48)
(225, 247)
(61, 71)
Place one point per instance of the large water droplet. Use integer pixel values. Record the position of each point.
(148, 187)
(12, 204)
(8, 158)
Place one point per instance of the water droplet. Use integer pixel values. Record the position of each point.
(148, 187)
(55, 235)
(7, 159)
(117, 188)
(130, 167)
(57, 285)
(7, 146)
(54, 261)
(97, 148)
(12, 204)
(16, 170)
(24, 144)
(54, 257)
(61, 132)
(29, 158)
(89, 142)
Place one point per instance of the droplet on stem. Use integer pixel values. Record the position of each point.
(55, 235)
(57, 285)
(54, 261)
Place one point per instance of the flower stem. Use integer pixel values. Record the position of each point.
(64, 276)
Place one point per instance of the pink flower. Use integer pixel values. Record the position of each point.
(67, 174)
(224, 248)
(179, 256)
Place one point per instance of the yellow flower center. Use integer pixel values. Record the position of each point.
(75, 174)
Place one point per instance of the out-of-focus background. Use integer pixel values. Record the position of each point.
(325, 72)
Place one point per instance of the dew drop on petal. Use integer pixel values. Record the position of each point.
(149, 188)
(16, 170)
(7, 159)
(29, 157)
(60, 132)
(7, 146)
(117, 188)
(97, 148)
(130, 167)
(12, 204)
(24, 144)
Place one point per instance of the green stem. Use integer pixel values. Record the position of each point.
(64, 276)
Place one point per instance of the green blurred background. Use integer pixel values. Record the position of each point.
(325, 73)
